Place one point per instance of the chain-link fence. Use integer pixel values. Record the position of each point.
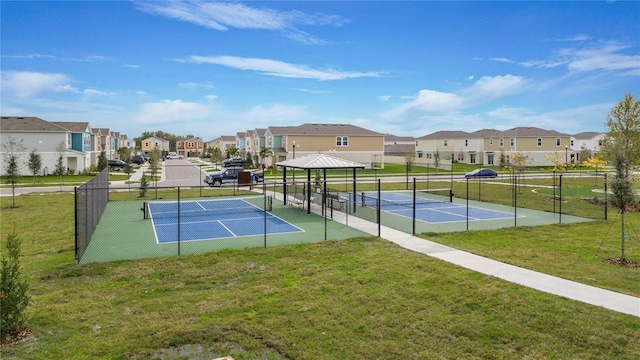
(136, 222)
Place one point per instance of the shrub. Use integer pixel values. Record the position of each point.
(14, 298)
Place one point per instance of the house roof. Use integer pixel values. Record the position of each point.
(389, 138)
(587, 135)
(320, 161)
(8, 123)
(331, 129)
(445, 134)
(531, 132)
(73, 126)
(280, 130)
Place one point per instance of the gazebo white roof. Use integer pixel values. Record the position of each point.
(320, 161)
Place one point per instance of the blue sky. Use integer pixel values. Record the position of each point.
(405, 68)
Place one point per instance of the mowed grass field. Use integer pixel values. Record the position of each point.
(362, 298)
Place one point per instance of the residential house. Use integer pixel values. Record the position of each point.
(223, 143)
(586, 144)
(81, 135)
(274, 139)
(344, 141)
(105, 143)
(493, 147)
(188, 147)
(399, 145)
(150, 143)
(241, 143)
(258, 142)
(49, 140)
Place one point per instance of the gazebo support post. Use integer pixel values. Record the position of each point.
(308, 191)
(354, 191)
(284, 181)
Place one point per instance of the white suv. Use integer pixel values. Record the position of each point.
(173, 156)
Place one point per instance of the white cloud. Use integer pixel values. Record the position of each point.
(193, 85)
(222, 16)
(171, 111)
(384, 98)
(432, 102)
(503, 60)
(278, 68)
(311, 91)
(26, 84)
(605, 56)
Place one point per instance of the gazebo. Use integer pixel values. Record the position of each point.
(317, 162)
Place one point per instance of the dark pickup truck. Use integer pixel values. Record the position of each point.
(230, 176)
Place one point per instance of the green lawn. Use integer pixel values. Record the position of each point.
(362, 298)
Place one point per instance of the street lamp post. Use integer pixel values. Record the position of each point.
(566, 157)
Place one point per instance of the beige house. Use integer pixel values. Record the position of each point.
(344, 141)
(489, 146)
(150, 143)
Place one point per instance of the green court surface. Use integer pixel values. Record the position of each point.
(124, 234)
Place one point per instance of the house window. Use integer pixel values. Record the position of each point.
(146, 144)
(466, 142)
(557, 141)
(512, 142)
(429, 156)
(269, 141)
(342, 140)
(501, 142)
(445, 143)
(419, 154)
(539, 142)
(571, 142)
(491, 141)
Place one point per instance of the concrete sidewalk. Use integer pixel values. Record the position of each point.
(550, 284)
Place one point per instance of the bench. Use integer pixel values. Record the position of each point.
(335, 198)
(297, 200)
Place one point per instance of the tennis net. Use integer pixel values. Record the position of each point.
(407, 198)
(225, 208)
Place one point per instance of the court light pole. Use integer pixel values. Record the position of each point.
(566, 157)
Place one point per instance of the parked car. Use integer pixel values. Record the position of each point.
(236, 161)
(230, 176)
(117, 165)
(137, 159)
(481, 173)
(173, 156)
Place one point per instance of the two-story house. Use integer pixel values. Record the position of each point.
(490, 146)
(344, 141)
(150, 143)
(189, 147)
(49, 140)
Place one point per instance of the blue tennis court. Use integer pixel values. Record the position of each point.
(432, 208)
(213, 219)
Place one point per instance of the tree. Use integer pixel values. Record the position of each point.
(34, 163)
(436, 159)
(14, 297)
(232, 151)
(13, 149)
(518, 164)
(621, 147)
(124, 154)
(409, 159)
(102, 161)
(558, 160)
(59, 170)
(265, 152)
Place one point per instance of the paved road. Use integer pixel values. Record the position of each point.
(180, 172)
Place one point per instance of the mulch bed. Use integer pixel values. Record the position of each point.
(16, 337)
(623, 262)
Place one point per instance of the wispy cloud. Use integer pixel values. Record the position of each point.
(278, 68)
(605, 56)
(482, 91)
(193, 85)
(27, 84)
(222, 16)
(311, 91)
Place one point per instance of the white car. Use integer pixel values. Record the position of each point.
(173, 156)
